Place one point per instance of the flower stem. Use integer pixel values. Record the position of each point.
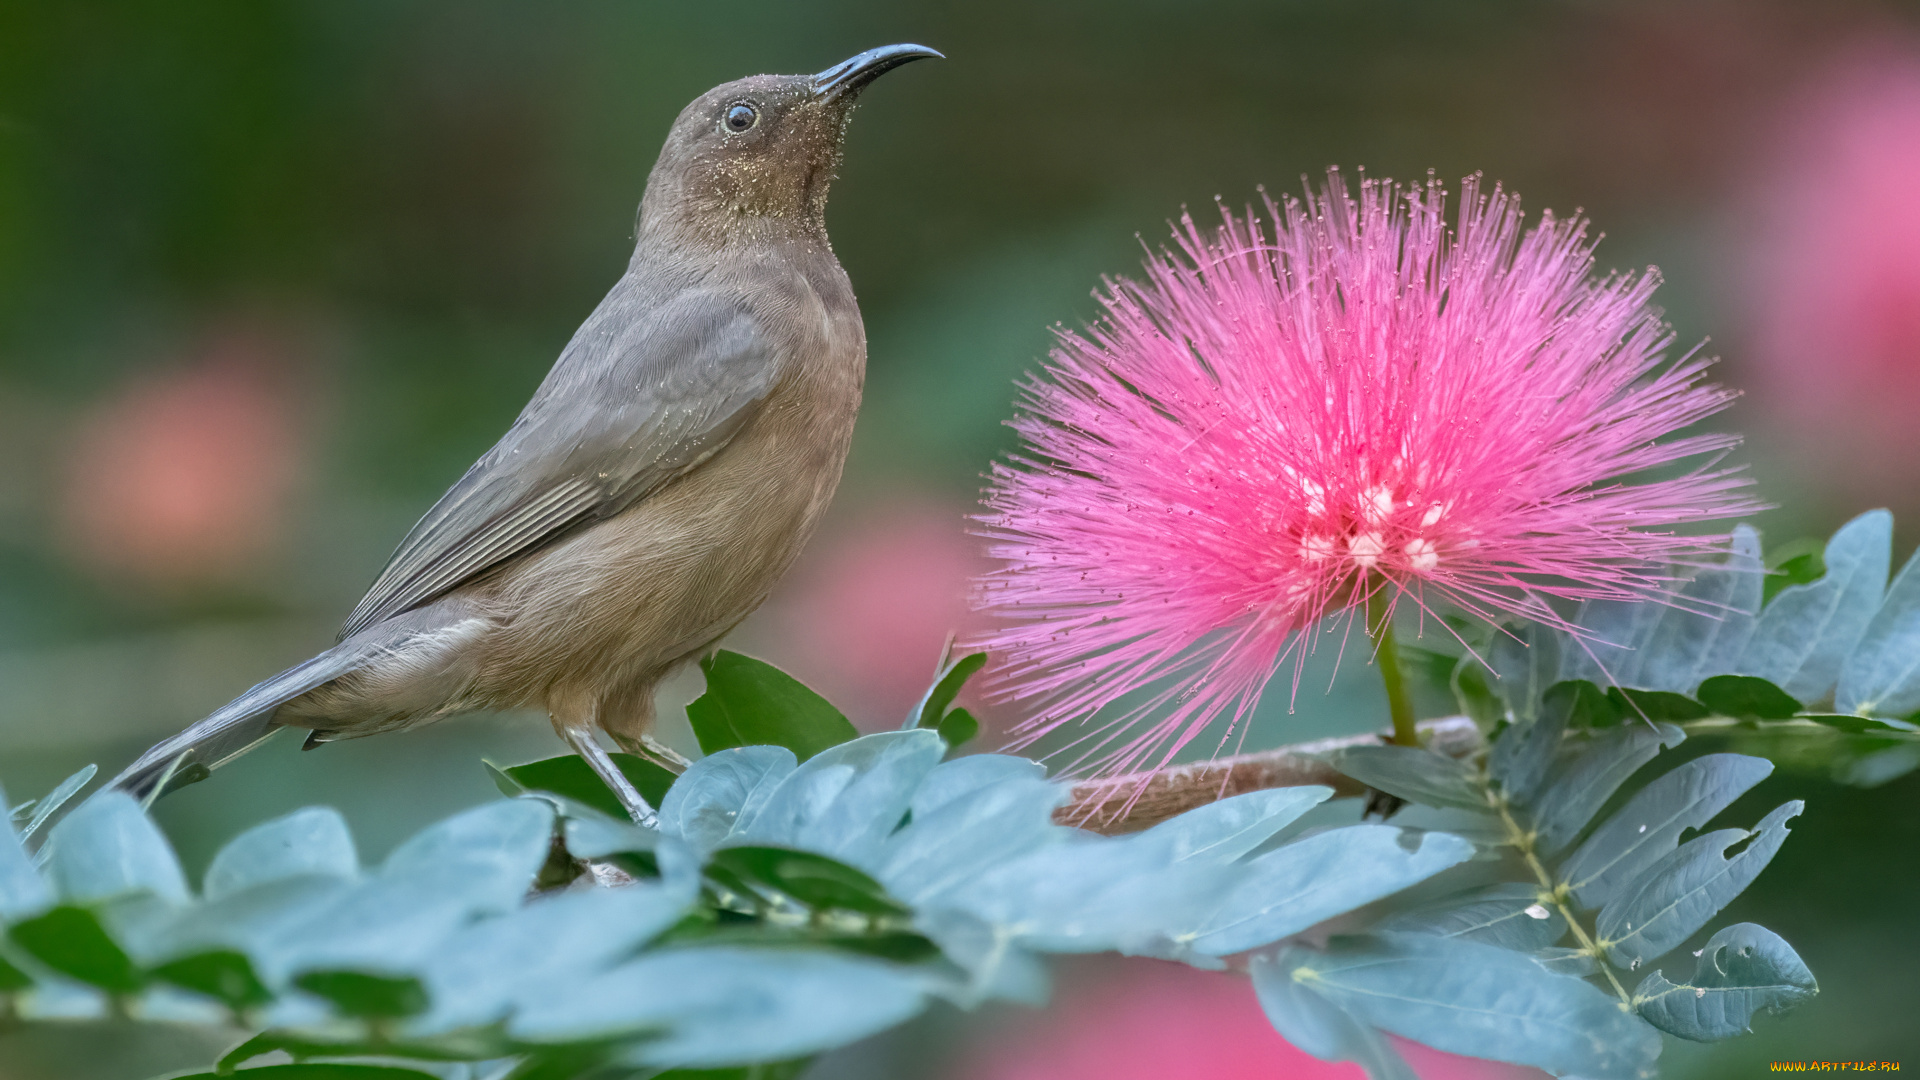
(1387, 655)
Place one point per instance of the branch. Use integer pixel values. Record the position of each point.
(1134, 801)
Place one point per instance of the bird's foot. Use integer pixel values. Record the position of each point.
(590, 751)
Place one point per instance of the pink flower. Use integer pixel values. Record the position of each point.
(1289, 415)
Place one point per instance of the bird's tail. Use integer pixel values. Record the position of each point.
(236, 727)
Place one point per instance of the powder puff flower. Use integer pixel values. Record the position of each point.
(1344, 405)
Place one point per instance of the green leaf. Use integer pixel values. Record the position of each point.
(1796, 563)
(1807, 631)
(12, 979)
(958, 728)
(1881, 676)
(1677, 895)
(222, 974)
(1469, 998)
(1705, 631)
(1648, 827)
(310, 841)
(752, 703)
(1655, 705)
(359, 994)
(1420, 776)
(569, 775)
(1746, 697)
(1474, 694)
(1597, 764)
(320, 1071)
(934, 709)
(718, 1006)
(23, 891)
(814, 880)
(1526, 659)
(108, 847)
(44, 806)
(1578, 963)
(1524, 750)
(1584, 704)
(710, 798)
(1612, 643)
(1317, 877)
(1224, 830)
(778, 1070)
(847, 799)
(1860, 725)
(1512, 916)
(1319, 1027)
(1744, 970)
(71, 940)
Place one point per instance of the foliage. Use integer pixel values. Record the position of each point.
(811, 888)
(784, 907)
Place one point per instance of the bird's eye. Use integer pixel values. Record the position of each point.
(741, 116)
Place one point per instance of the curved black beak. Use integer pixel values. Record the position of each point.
(851, 75)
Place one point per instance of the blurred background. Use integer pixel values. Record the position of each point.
(272, 274)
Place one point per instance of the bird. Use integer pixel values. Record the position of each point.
(662, 478)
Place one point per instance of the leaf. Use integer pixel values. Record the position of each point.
(1524, 750)
(44, 806)
(490, 853)
(1468, 998)
(1706, 630)
(1795, 563)
(71, 940)
(1584, 704)
(752, 703)
(1744, 970)
(23, 891)
(1223, 831)
(934, 709)
(1578, 963)
(958, 728)
(1526, 660)
(363, 995)
(310, 841)
(1872, 770)
(1678, 894)
(12, 979)
(1583, 782)
(1881, 676)
(970, 816)
(1807, 631)
(1612, 641)
(706, 802)
(1655, 705)
(222, 974)
(569, 775)
(1320, 876)
(1511, 915)
(1747, 697)
(310, 1070)
(1319, 1027)
(486, 970)
(845, 801)
(718, 1006)
(1420, 776)
(1643, 831)
(815, 880)
(1474, 694)
(109, 847)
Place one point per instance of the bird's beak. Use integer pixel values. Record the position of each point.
(851, 75)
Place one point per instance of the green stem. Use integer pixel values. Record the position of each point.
(1387, 655)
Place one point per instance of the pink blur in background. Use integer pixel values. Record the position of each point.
(1150, 1020)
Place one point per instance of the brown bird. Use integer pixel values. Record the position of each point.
(664, 476)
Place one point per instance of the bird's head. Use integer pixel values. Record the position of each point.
(758, 154)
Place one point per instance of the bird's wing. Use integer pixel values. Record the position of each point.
(644, 394)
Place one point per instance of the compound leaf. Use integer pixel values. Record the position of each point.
(1744, 970)
(1678, 894)
(1648, 827)
(1807, 631)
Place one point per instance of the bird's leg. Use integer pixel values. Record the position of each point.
(584, 744)
(646, 746)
